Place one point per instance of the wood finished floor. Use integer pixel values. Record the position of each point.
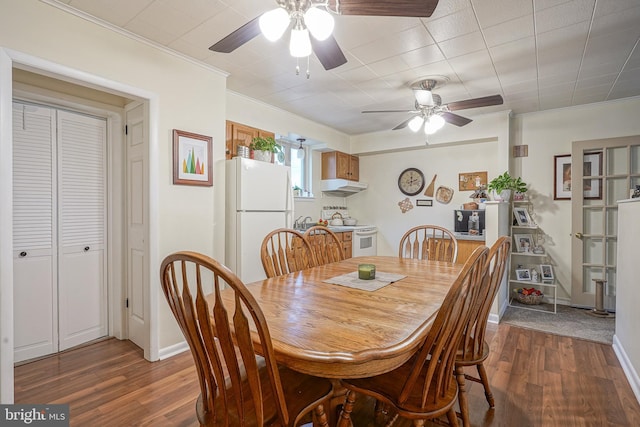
(537, 379)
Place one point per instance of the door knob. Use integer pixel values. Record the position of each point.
(579, 235)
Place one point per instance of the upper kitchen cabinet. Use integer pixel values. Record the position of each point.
(239, 134)
(336, 164)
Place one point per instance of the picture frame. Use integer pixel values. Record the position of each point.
(192, 159)
(424, 202)
(591, 166)
(562, 177)
(523, 274)
(546, 271)
(470, 181)
(524, 243)
(522, 216)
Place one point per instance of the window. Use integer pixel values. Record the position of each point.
(300, 168)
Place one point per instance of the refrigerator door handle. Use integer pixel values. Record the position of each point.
(289, 205)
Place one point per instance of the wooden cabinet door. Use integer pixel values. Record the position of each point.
(239, 134)
(354, 168)
(347, 245)
(466, 248)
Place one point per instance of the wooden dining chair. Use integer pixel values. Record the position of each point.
(284, 251)
(237, 388)
(474, 350)
(425, 387)
(325, 245)
(429, 242)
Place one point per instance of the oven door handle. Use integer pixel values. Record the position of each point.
(365, 233)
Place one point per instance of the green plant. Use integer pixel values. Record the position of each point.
(295, 187)
(265, 144)
(507, 182)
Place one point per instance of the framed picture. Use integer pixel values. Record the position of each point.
(192, 159)
(524, 242)
(562, 177)
(591, 166)
(522, 217)
(424, 202)
(546, 271)
(470, 181)
(523, 274)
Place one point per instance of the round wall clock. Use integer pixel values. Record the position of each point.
(411, 181)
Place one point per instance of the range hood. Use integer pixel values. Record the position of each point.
(341, 187)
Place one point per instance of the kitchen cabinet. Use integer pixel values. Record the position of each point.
(346, 237)
(336, 164)
(239, 134)
(466, 248)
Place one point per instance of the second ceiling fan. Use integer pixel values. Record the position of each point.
(315, 17)
(430, 111)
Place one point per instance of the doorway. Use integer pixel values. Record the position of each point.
(9, 62)
(604, 173)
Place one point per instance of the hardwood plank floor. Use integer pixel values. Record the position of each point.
(537, 380)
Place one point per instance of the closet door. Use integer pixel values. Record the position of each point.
(81, 231)
(34, 218)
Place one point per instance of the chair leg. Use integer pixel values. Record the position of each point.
(462, 396)
(485, 382)
(347, 408)
(320, 419)
(452, 417)
(418, 423)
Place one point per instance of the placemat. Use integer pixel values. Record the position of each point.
(351, 280)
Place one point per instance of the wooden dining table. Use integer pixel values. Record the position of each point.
(333, 331)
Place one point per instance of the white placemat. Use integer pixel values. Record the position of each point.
(351, 280)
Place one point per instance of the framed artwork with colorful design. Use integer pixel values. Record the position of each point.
(192, 159)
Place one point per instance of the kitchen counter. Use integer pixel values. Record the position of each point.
(467, 236)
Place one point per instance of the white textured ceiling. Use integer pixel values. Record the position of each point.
(537, 54)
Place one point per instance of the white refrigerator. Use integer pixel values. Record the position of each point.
(259, 200)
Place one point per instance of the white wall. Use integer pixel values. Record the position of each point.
(625, 342)
(190, 97)
(548, 133)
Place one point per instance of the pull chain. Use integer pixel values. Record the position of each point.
(297, 66)
(308, 72)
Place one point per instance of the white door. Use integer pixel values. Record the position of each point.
(82, 291)
(605, 172)
(34, 217)
(252, 227)
(59, 230)
(137, 305)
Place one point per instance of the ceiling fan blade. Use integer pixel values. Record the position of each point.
(413, 8)
(403, 124)
(328, 52)
(475, 102)
(455, 119)
(237, 38)
(391, 111)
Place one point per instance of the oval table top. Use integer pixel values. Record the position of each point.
(334, 331)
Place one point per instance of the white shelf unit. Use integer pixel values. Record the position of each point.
(529, 260)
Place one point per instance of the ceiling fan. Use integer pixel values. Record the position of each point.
(430, 111)
(315, 17)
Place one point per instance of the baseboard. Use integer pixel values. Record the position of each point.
(172, 350)
(495, 318)
(628, 368)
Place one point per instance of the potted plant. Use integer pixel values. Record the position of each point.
(503, 185)
(264, 147)
(297, 191)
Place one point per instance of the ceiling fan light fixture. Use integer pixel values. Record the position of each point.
(424, 97)
(415, 123)
(433, 124)
(300, 44)
(319, 22)
(274, 23)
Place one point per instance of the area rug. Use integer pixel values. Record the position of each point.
(568, 321)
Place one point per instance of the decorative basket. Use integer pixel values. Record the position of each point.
(528, 299)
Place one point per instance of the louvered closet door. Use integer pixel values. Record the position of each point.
(34, 266)
(82, 218)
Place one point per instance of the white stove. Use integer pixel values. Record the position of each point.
(364, 239)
